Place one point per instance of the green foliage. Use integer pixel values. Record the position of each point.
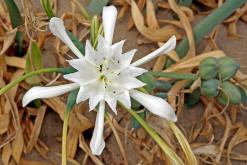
(193, 98)
(134, 123)
(232, 92)
(149, 80)
(16, 20)
(183, 76)
(228, 67)
(76, 42)
(96, 6)
(164, 86)
(208, 68)
(34, 61)
(210, 88)
(71, 100)
(243, 94)
(161, 95)
(47, 7)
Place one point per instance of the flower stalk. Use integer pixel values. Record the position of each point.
(169, 152)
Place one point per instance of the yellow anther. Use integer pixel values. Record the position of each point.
(98, 68)
(106, 61)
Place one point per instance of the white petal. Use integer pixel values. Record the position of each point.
(97, 143)
(92, 55)
(56, 26)
(167, 47)
(155, 105)
(47, 92)
(125, 99)
(86, 71)
(109, 17)
(112, 102)
(127, 57)
(117, 48)
(132, 71)
(94, 90)
(93, 101)
(82, 95)
(128, 82)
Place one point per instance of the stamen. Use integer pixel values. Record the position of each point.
(106, 61)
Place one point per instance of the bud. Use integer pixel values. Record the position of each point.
(228, 67)
(210, 88)
(232, 91)
(208, 68)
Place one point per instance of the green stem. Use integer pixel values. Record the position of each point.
(184, 76)
(170, 153)
(40, 71)
(64, 138)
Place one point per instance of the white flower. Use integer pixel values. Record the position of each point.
(105, 75)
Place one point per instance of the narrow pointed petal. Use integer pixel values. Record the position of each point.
(129, 82)
(109, 17)
(125, 99)
(97, 143)
(56, 26)
(47, 92)
(167, 47)
(112, 102)
(155, 105)
(132, 71)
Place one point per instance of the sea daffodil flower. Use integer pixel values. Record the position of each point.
(105, 75)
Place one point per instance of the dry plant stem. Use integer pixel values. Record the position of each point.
(64, 139)
(184, 143)
(117, 138)
(169, 152)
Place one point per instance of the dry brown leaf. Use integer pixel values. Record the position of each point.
(72, 143)
(4, 122)
(141, 4)
(33, 162)
(57, 105)
(162, 34)
(36, 129)
(8, 40)
(6, 154)
(16, 75)
(239, 137)
(187, 27)
(186, 10)
(16, 61)
(18, 143)
(205, 149)
(79, 123)
(150, 14)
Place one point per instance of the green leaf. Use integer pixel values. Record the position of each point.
(14, 13)
(232, 91)
(149, 80)
(96, 6)
(161, 95)
(228, 67)
(210, 88)
(34, 61)
(183, 76)
(76, 42)
(47, 7)
(134, 123)
(71, 100)
(208, 68)
(194, 97)
(206, 25)
(243, 94)
(163, 85)
(16, 20)
(94, 29)
(134, 104)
